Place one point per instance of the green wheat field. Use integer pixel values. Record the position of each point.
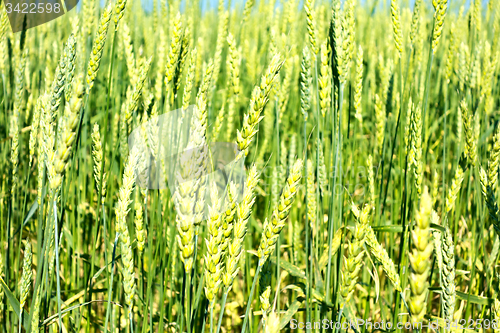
(368, 132)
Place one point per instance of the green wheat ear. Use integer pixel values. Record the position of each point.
(454, 189)
(97, 47)
(396, 27)
(358, 86)
(121, 212)
(324, 81)
(244, 210)
(311, 29)
(448, 275)
(27, 275)
(416, 147)
(439, 16)
(352, 262)
(260, 97)
(489, 197)
(470, 139)
(273, 227)
(213, 257)
(381, 255)
(420, 258)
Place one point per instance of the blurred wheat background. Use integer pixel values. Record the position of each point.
(370, 136)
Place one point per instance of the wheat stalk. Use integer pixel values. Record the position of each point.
(380, 120)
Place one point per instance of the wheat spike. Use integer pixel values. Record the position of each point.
(27, 275)
(244, 210)
(133, 101)
(396, 27)
(381, 255)
(358, 85)
(70, 58)
(213, 257)
(121, 212)
(140, 232)
(311, 195)
(489, 197)
(97, 156)
(439, 16)
(352, 262)
(420, 258)
(448, 275)
(494, 161)
(188, 87)
(454, 189)
(322, 174)
(98, 47)
(311, 29)
(470, 142)
(68, 132)
(416, 147)
(305, 83)
(119, 11)
(35, 317)
(173, 56)
(324, 80)
(415, 22)
(229, 214)
(260, 97)
(273, 228)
